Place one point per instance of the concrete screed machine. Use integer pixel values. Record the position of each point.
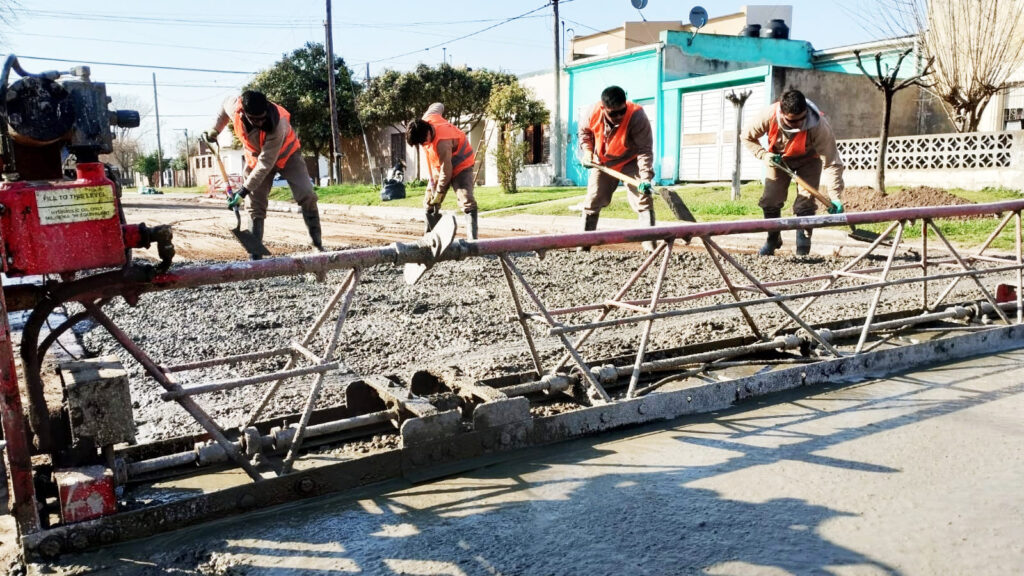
(70, 445)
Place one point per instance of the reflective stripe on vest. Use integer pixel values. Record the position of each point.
(462, 154)
(612, 150)
(290, 146)
(797, 145)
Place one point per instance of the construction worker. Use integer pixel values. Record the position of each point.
(271, 147)
(451, 160)
(800, 138)
(618, 135)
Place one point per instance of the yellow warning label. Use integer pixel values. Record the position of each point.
(65, 205)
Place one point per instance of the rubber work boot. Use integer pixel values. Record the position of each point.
(647, 219)
(803, 242)
(312, 219)
(471, 225)
(257, 234)
(589, 225)
(432, 217)
(774, 241)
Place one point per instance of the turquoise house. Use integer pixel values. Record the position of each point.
(685, 82)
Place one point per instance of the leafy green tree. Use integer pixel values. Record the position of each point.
(299, 83)
(398, 98)
(513, 109)
(392, 98)
(149, 165)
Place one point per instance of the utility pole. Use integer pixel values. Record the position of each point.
(366, 143)
(556, 122)
(159, 149)
(335, 173)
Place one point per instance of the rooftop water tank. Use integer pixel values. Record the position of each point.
(777, 29)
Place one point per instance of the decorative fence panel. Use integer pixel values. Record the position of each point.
(970, 160)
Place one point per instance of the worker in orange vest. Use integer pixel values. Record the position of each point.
(618, 135)
(800, 138)
(271, 147)
(450, 159)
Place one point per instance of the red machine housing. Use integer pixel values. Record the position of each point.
(63, 226)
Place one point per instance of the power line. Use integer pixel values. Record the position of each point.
(169, 85)
(273, 23)
(463, 37)
(137, 65)
(235, 22)
(136, 43)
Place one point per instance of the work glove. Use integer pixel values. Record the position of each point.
(211, 135)
(645, 188)
(589, 158)
(236, 198)
(836, 207)
(771, 160)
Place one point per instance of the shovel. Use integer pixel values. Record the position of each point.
(244, 237)
(675, 203)
(859, 235)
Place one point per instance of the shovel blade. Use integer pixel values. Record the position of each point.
(864, 235)
(676, 205)
(249, 242)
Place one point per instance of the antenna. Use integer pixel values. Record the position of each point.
(698, 18)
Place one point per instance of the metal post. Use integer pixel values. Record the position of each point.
(556, 117)
(15, 433)
(332, 99)
(159, 149)
(1020, 273)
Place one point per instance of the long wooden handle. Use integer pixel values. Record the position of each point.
(825, 200)
(615, 173)
(220, 164)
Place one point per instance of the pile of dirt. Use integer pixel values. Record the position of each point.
(865, 199)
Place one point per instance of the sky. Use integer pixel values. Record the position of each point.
(217, 45)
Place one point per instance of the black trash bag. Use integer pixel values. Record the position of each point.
(393, 190)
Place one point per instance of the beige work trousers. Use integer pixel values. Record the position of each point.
(462, 183)
(776, 185)
(601, 186)
(294, 171)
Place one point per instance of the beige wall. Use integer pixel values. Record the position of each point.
(854, 106)
(634, 34)
(355, 167)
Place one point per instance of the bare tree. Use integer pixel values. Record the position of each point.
(9, 10)
(889, 84)
(977, 45)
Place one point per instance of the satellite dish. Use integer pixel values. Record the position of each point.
(639, 4)
(698, 16)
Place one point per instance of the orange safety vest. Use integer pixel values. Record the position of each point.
(614, 147)
(291, 140)
(463, 156)
(797, 145)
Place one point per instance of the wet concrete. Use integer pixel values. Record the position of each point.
(917, 474)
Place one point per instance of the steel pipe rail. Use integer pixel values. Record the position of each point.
(218, 386)
(413, 253)
(276, 441)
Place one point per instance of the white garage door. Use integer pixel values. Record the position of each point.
(708, 134)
